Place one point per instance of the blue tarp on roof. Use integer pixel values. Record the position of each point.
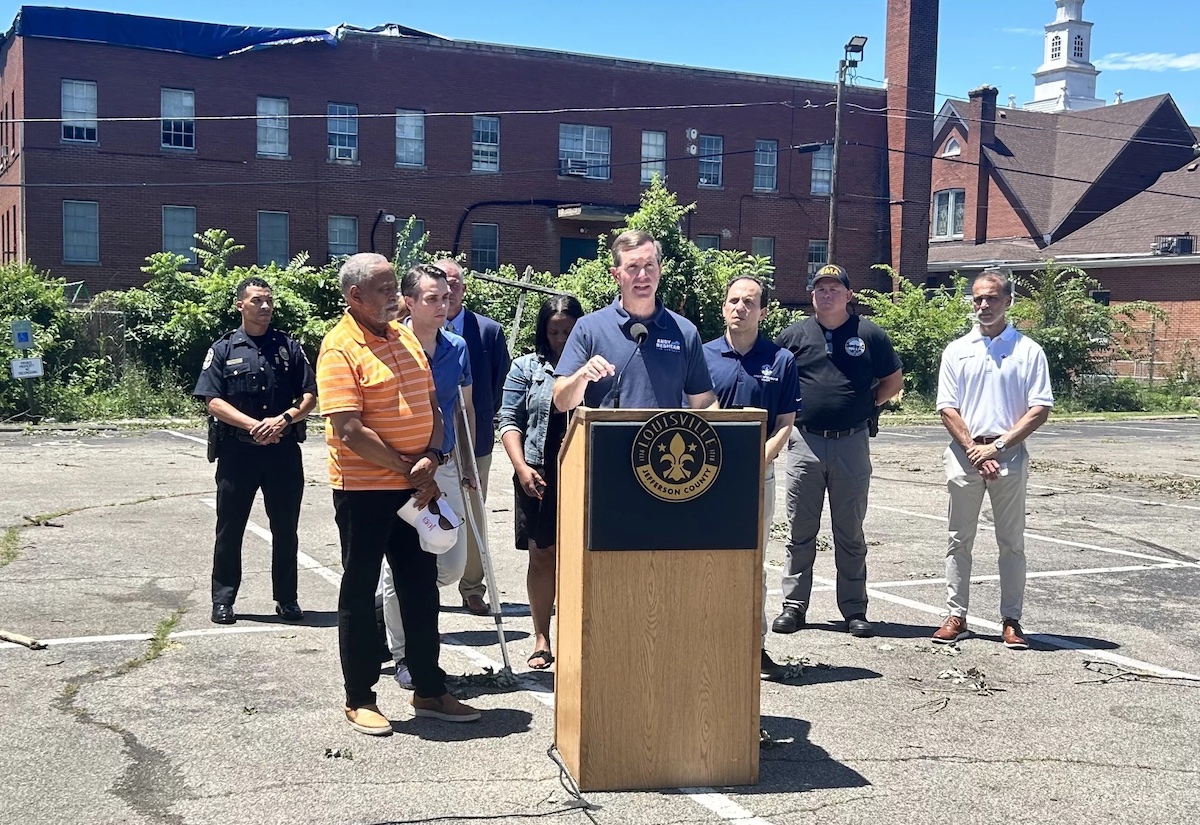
(180, 36)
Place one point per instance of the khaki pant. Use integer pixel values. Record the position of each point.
(966, 488)
(472, 583)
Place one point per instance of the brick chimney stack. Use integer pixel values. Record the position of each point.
(911, 66)
(981, 132)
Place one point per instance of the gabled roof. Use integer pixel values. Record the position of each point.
(952, 110)
(1054, 164)
(1171, 206)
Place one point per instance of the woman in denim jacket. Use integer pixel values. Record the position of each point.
(532, 430)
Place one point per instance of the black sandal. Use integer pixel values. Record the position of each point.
(545, 655)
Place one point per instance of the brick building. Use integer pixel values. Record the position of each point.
(123, 135)
(1111, 189)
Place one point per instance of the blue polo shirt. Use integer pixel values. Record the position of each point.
(765, 377)
(451, 366)
(671, 363)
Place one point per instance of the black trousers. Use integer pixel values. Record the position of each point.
(370, 530)
(242, 470)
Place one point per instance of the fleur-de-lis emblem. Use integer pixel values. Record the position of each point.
(677, 459)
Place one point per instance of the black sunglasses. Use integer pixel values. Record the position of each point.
(443, 522)
(828, 342)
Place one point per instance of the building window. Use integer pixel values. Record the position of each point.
(81, 232)
(485, 247)
(485, 144)
(410, 137)
(178, 119)
(179, 230)
(818, 256)
(1078, 48)
(948, 213)
(712, 149)
(584, 148)
(766, 161)
(822, 171)
(273, 126)
(1055, 47)
(342, 124)
(763, 248)
(79, 110)
(343, 236)
(708, 241)
(273, 238)
(953, 148)
(654, 155)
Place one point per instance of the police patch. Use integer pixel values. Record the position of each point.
(855, 346)
(283, 354)
(208, 359)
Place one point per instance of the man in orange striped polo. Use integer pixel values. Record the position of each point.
(383, 428)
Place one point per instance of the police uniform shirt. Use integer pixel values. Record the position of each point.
(670, 365)
(260, 376)
(765, 377)
(837, 370)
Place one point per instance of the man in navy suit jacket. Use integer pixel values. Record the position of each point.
(489, 367)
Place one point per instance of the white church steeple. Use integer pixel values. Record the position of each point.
(1066, 79)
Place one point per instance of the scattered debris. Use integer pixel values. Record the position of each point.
(249, 710)
(884, 647)
(1111, 672)
(766, 741)
(951, 649)
(972, 680)
(824, 544)
(934, 705)
(503, 679)
(339, 753)
(24, 641)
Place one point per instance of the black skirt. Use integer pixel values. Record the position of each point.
(537, 519)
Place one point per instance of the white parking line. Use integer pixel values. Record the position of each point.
(1044, 574)
(185, 435)
(1040, 537)
(1143, 501)
(899, 435)
(1143, 429)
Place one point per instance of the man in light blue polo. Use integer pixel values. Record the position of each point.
(749, 370)
(426, 294)
(669, 368)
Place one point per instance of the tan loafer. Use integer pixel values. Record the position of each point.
(368, 720)
(446, 708)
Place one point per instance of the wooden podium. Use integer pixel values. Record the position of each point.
(659, 598)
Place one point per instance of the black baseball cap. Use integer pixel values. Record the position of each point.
(832, 271)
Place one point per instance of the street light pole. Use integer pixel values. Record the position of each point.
(853, 52)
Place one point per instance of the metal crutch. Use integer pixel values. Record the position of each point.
(474, 497)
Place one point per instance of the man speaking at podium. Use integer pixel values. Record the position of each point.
(635, 352)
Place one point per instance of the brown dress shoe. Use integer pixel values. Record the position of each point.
(476, 604)
(1014, 637)
(953, 629)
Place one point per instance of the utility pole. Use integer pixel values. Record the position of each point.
(853, 53)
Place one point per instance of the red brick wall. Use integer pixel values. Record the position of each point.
(1176, 291)
(12, 79)
(1003, 220)
(379, 75)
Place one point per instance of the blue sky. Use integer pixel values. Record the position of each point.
(1138, 48)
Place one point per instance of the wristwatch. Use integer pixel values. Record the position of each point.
(1000, 445)
(287, 416)
(438, 454)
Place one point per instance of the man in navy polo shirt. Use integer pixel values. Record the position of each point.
(669, 367)
(749, 371)
(846, 367)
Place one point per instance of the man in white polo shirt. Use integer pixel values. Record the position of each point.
(993, 393)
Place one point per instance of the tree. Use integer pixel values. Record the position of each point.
(920, 325)
(1079, 335)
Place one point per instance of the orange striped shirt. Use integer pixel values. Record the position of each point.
(386, 380)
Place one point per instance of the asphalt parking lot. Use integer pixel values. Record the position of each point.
(242, 724)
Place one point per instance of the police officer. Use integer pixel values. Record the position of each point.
(258, 387)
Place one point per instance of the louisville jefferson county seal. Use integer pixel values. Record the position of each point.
(676, 455)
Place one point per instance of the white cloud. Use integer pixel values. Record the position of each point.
(1149, 62)
(1026, 32)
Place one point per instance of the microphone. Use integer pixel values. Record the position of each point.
(639, 333)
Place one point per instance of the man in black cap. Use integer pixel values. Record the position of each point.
(258, 388)
(846, 368)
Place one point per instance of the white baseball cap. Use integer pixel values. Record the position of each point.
(436, 524)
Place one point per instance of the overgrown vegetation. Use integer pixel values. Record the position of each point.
(147, 367)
